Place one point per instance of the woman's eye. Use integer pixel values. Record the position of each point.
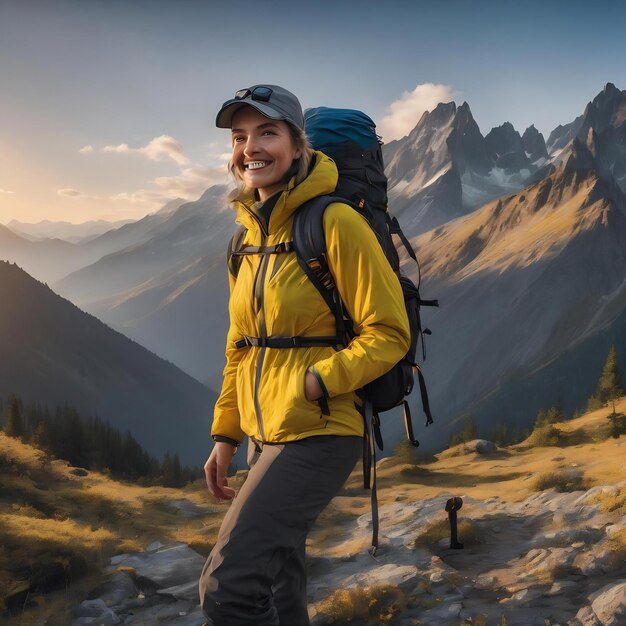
(269, 132)
(237, 139)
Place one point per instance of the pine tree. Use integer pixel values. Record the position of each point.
(609, 383)
(469, 433)
(168, 470)
(41, 435)
(177, 473)
(14, 425)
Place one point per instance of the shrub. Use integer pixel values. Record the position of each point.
(548, 435)
(611, 502)
(594, 403)
(563, 482)
(469, 433)
(618, 425)
(468, 533)
(406, 453)
(368, 606)
(551, 416)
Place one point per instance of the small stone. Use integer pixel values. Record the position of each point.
(485, 582)
(90, 608)
(561, 586)
(436, 577)
(586, 617)
(154, 546)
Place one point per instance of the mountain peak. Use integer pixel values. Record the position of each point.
(534, 144)
(607, 109)
(580, 157)
(505, 140)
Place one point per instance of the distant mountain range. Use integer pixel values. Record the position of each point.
(74, 233)
(521, 239)
(52, 352)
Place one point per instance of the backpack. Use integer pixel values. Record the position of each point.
(349, 138)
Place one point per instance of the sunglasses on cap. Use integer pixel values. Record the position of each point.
(262, 94)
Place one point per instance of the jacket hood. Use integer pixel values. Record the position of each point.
(322, 180)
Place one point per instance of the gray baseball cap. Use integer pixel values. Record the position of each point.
(270, 100)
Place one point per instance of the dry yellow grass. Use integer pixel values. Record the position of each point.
(58, 530)
(430, 537)
(612, 501)
(369, 606)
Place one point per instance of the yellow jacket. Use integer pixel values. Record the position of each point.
(263, 388)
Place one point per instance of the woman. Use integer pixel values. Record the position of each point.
(297, 405)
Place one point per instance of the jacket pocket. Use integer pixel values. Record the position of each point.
(284, 399)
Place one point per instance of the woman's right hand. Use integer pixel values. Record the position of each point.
(216, 469)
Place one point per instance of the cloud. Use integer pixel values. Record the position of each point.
(218, 152)
(159, 149)
(192, 181)
(190, 184)
(86, 149)
(70, 193)
(141, 196)
(404, 113)
(6, 191)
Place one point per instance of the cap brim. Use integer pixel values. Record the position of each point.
(224, 118)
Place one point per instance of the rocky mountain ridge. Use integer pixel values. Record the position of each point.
(445, 168)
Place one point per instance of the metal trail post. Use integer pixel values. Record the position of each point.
(452, 506)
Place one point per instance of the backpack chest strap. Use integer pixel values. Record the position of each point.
(284, 246)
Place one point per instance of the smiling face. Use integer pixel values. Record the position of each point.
(263, 151)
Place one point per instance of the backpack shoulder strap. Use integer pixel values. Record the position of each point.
(309, 241)
(234, 245)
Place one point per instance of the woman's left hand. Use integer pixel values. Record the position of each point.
(312, 389)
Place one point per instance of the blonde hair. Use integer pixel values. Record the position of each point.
(300, 142)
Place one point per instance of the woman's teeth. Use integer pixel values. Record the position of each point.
(255, 165)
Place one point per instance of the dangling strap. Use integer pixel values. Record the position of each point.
(408, 425)
(369, 467)
(394, 229)
(424, 394)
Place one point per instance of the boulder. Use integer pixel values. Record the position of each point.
(169, 566)
(94, 612)
(609, 604)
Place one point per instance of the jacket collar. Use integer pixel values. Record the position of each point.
(322, 180)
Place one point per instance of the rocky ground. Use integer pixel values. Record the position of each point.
(549, 559)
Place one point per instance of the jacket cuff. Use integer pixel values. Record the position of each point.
(224, 439)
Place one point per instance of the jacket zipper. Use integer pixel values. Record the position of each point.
(258, 289)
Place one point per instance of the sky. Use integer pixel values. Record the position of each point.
(107, 109)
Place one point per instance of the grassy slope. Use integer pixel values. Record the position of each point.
(48, 516)
(47, 512)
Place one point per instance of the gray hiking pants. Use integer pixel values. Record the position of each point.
(255, 574)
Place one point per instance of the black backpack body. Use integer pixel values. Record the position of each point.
(349, 138)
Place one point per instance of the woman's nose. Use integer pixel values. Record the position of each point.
(250, 147)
